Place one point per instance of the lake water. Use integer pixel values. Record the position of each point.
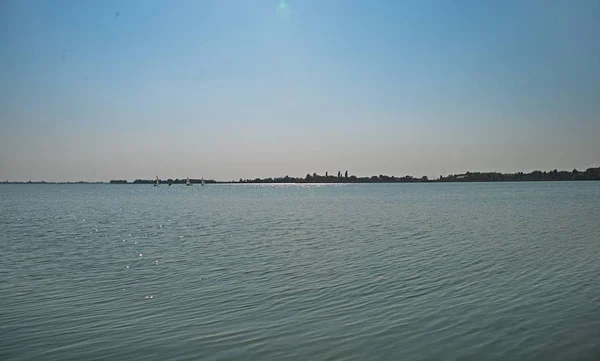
(480, 271)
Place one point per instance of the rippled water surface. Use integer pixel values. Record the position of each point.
(481, 271)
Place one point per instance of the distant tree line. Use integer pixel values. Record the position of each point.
(553, 175)
(536, 175)
(340, 178)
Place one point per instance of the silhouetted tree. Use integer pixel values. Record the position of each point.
(592, 173)
(346, 174)
(535, 175)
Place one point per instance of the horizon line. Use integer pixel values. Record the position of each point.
(327, 176)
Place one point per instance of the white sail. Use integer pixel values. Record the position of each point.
(156, 181)
(202, 180)
(187, 182)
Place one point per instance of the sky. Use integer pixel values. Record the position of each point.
(101, 90)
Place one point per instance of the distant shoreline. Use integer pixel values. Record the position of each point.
(535, 176)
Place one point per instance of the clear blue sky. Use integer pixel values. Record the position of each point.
(96, 90)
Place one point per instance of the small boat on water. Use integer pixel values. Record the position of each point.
(203, 181)
(187, 182)
(156, 184)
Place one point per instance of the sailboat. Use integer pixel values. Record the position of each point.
(203, 181)
(156, 184)
(187, 182)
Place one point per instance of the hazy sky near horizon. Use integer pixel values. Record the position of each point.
(98, 90)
